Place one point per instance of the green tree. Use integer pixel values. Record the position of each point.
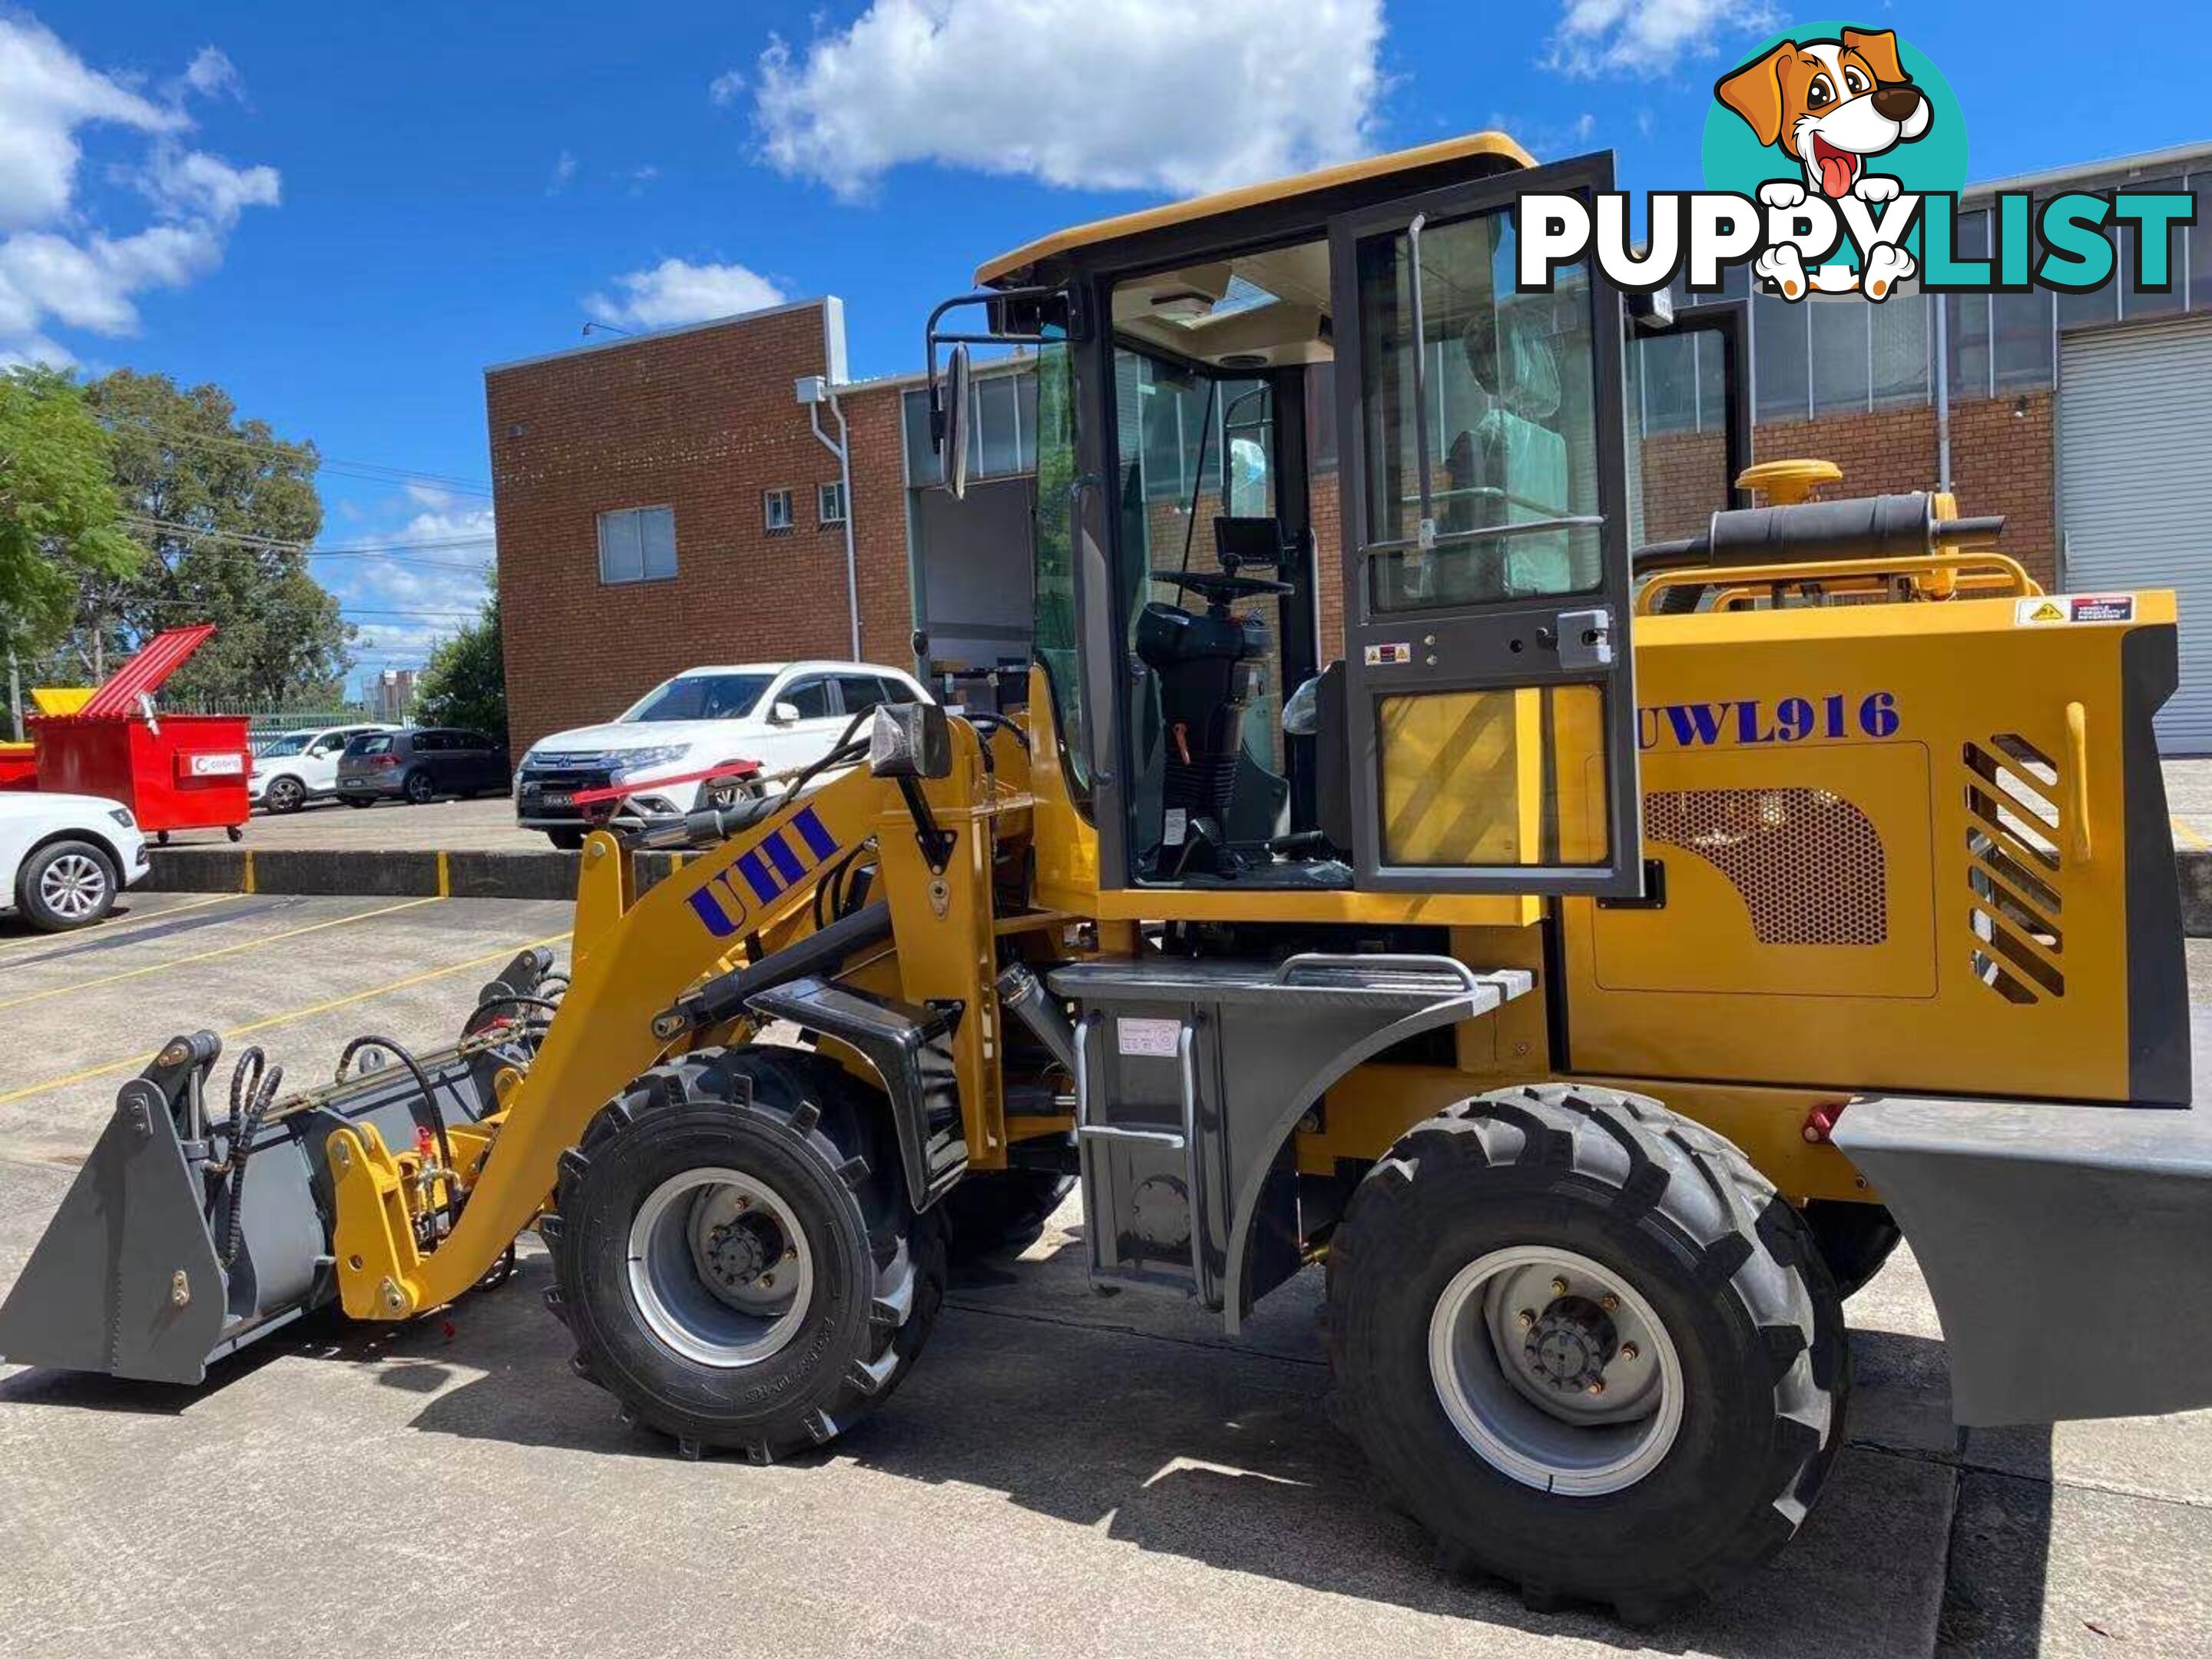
(465, 682)
(58, 510)
(223, 508)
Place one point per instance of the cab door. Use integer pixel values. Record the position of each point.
(1489, 685)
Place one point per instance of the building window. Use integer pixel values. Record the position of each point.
(828, 504)
(637, 544)
(775, 508)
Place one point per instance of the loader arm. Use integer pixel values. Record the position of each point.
(632, 956)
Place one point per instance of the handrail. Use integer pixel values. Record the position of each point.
(1084, 1128)
(1413, 962)
(1797, 573)
(2078, 767)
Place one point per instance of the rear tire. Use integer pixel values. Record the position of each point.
(418, 789)
(706, 1176)
(993, 1212)
(1495, 1443)
(65, 885)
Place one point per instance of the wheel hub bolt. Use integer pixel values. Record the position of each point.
(1559, 1287)
(1628, 1351)
(791, 1253)
(1608, 1302)
(1526, 1316)
(1598, 1387)
(767, 1282)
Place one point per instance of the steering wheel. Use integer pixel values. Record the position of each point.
(1219, 588)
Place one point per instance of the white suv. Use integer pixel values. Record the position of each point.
(778, 715)
(64, 858)
(297, 767)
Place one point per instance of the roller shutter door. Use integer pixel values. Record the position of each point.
(2135, 486)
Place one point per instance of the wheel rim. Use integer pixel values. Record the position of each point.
(1517, 1389)
(284, 794)
(418, 789)
(73, 886)
(720, 1267)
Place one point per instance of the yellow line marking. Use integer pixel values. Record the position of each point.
(139, 1060)
(209, 956)
(2187, 833)
(108, 929)
(445, 878)
(249, 886)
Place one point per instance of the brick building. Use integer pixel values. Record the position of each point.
(665, 500)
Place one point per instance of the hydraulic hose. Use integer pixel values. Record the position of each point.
(253, 1086)
(430, 1117)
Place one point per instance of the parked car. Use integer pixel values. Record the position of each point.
(64, 858)
(291, 769)
(778, 715)
(420, 764)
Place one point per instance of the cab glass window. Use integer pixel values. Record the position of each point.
(1504, 399)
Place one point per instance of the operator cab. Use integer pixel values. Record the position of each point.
(1331, 568)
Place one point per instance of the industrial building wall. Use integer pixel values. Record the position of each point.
(703, 422)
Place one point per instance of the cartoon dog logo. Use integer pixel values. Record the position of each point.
(1829, 105)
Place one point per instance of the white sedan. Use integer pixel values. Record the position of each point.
(64, 858)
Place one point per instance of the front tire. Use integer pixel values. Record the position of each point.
(286, 794)
(65, 885)
(1510, 1415)
(734, 1254)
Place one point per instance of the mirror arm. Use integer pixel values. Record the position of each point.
(932, 339)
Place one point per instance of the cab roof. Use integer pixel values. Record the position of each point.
(1011, 267)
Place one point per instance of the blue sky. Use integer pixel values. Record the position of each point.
(342, 213)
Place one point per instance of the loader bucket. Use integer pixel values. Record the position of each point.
(143, 1273)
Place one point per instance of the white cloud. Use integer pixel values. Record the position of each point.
(439, 598)
(1646, 37)
(724, 88)
(58, 265)
(212, 75)
(564, 169)
(675, 291)
(1125, 95)
(46, 94)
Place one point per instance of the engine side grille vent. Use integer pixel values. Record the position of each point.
(2014, 870)
(1807, 863)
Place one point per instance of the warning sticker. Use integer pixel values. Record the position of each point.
(2057, 608)
(1383, 656)
(1154, 1037)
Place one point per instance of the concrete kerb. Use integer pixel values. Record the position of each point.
(552, 875)
(378, 874)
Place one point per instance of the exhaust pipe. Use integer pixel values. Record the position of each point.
(182, 1240)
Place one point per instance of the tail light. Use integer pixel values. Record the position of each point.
(381, 761)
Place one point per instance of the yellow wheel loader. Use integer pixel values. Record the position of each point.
(1593, 930)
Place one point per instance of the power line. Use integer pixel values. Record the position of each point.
(373, 471)
(388, 550)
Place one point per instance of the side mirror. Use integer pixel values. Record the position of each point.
(909, 740)
(952, 446)
(783, 713)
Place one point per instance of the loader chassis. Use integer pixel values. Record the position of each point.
(1593, 979)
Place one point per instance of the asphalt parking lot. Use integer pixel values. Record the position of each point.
(1062, 1475)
